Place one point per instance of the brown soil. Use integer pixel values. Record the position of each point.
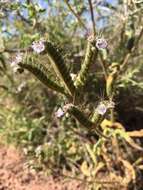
(15, 176)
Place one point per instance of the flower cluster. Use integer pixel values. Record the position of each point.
(14, 64)
(101, 43)
(38, 46)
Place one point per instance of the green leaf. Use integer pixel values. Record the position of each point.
(40, 72)
(59, 66)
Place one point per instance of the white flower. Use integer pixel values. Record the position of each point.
(101, 109)
(101, 43)
(73, 76)
(59, 113)
(38, 46)
(21, 86)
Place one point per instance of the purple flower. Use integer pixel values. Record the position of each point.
(101, 109)
(59, 113)
(101, 43)
(38, 46)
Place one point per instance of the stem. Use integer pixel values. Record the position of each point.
(112, 118)
(103, 65)
(92, 16)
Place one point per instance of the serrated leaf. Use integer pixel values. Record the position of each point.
(40, 72)
(57, 61)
